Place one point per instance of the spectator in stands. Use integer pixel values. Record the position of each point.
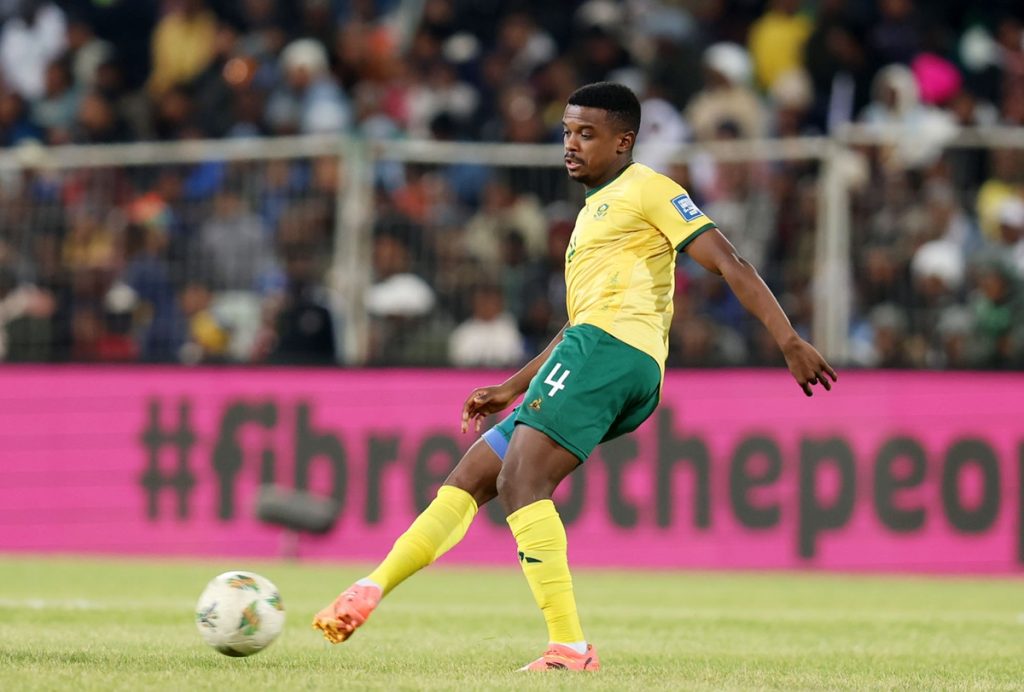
(174, 115)
(206, 338)
(215, 87)
(521, 276)
(662, 133)
(233, 249)
(160, 323)
(839, 66)
(302, 323)
(396, 290)
(1005, 182)
(939, 270)
(25, 312)
(98, 122)
(697, 341)
(89, 243)
(956, 348)
(133, 107)
(115, 340)
(55, 112)
(777, 41)
(317, 19)
(938, 79)
(490, 337)
(737, 201)
(518, 118)
(792, 101)
(183, 45)
(600, 54)
(399, 303)
(997, 307)
(523, 46)
(897, 102)
(889, 337)
(726, 96)
(440, 92)
(15, 125)
(85, 52)
(308, 100)
(671, 35)
(553, 84)
(501, 211)
(1011, 233)
(968, 167)
(29, 41)
(895, 99)
(559, 234)
(947, 219)
(1009, 59)
(898, 36)
(126, 26)
(422, 196)
(277, 187)
(455, 274)
(882, 276)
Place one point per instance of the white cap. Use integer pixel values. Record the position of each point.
(730, 60)
(941, 259)
(120, 298)
(304, 53)
(401, 295)
(792, 89)
(1011, 212)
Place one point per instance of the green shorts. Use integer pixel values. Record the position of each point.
(592, 389)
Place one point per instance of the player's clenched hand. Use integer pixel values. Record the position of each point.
(484, 401)
(808, 366)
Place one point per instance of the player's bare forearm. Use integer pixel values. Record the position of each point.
(483, 401)
(758, 299)
(716, 254)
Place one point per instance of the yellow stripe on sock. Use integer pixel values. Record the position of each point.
(543, 555)
(434, 532)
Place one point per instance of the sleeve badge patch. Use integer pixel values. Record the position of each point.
(686, 208)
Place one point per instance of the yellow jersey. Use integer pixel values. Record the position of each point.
(620, 263)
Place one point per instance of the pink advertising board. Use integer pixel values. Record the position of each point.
(736, 469)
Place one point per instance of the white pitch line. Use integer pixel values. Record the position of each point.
(84, 604)
(47, 604)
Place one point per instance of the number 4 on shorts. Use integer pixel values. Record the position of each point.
(556, 385)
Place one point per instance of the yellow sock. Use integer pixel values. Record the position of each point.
(543, 555)
(434, 532)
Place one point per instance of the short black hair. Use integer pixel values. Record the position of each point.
(619, 100)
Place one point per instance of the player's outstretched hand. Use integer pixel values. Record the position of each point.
(808, 366)
(482, 402)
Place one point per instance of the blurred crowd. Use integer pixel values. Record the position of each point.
(228, 262)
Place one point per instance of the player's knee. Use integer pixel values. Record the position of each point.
(502, 482)
(477, 473)
(510, 479)
(482, 488)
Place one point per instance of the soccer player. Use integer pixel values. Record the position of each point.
(599, 378)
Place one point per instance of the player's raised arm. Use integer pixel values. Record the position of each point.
(483, 401)
(714, 252)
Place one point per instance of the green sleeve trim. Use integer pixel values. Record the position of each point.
(693, 236)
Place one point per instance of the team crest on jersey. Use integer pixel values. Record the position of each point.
(601, 212)
(686, 208)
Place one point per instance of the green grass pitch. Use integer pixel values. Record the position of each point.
(127, 625)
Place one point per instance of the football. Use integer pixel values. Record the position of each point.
(240, 613)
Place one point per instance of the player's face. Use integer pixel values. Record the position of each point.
(594, 145)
